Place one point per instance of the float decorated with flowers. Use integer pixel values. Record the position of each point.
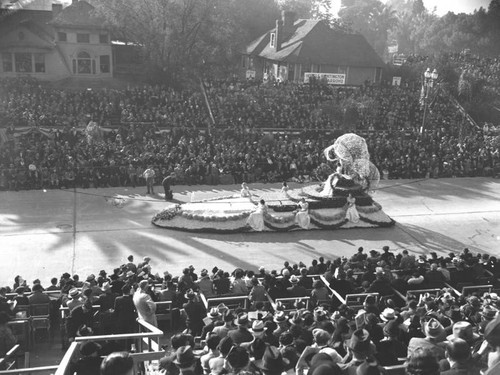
(342, 201)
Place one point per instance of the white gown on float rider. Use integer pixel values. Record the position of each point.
(256, 218)
(302, 218)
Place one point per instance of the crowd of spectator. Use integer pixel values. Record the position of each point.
(439, 332)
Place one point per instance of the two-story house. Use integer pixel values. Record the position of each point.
(295, 50)
(55, 43)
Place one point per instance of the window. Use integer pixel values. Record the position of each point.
(23, 62)
(82, 38)
(273, 39)
(62, 37)
(83, 63)
(39, 63)
(243, 61)
(103, 38)
(7, 62)
(104, 64)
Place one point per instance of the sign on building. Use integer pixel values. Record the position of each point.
(331, 78)
(396, 81)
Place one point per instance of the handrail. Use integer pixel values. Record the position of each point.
(9, 354)
(66, 361)
(453, 289)
(30, 370)
(472, 287)
(399, 294)
(334, 292)
(204, 300)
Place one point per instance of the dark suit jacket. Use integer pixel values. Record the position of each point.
(125, 314)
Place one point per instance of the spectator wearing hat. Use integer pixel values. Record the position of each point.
(391, 348)
(177, 341)
(124, 311)
(238, 361)
(79, 316)
(257, 292)
(433, 341)
(281, 320)
(149, 176)
(146, 308)
(186, 281)
(213, 352)
(257, 329)
(195, 313)
(464, 330)
(74, 299)
(228, 325)
(296, 290)
(212, 320)
(360, 348)
(241, 333)
(415, 281)
(216, 364)
(321, 340)
(487, 315)
(458, 358)
(186, 361)
(90, 362)
(273, 362)
(107, 299)
(205, 284)
(381, 284)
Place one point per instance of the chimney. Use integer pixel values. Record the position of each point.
(279, 35)
(288, 18)
(56, 9)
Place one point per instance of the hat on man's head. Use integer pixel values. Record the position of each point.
(91, 277)
(146, 259)
(89, 348)
(360, 342)
(272, 361)
(463, 330)
(391, 329)
(184, 357)
(242, 319)
(489, 313)
(388, 314)
(222, 308)
(143, 284)
(433, 329)
(280, 317)
(73, 293)
(213, 313)
(129, 274)
(203, 272)
(190, 294)
(294, 279)
(257, 326)
(106, 286)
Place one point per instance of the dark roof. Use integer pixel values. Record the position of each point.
(312, 41)
(36, 21)
(77, 15)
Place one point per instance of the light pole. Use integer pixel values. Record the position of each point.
(429, 79)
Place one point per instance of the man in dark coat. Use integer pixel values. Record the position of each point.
(167, 183)
(195, 312)
(124, 311)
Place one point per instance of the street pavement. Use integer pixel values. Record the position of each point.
(83, 231)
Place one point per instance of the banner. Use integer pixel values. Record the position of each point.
(331, 78)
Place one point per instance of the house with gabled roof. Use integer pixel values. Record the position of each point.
(298, 49)
(53, 42)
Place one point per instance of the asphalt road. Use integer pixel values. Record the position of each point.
(43, 234)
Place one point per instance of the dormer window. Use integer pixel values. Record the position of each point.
(273, 40)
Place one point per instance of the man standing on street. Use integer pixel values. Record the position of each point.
(149, 176)
(167, 183)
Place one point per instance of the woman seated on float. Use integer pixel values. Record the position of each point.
(245, 191)
(256, 218)
(302, 217)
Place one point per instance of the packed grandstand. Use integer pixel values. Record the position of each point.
(357, 315)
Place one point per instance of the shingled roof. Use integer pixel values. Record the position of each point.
(77, 15)
(36, 21)
(312, 41)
